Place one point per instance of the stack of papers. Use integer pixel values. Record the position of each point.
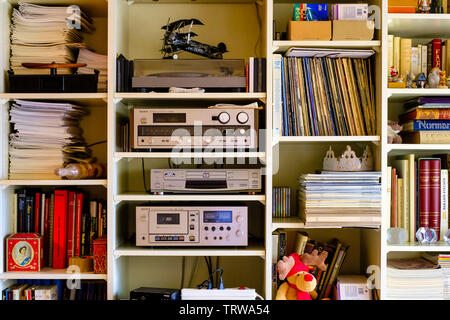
(94, 61)
(414, 279)
(42, 34)
(45, 137)
(444, 263)
(329, 53)
(349, 199)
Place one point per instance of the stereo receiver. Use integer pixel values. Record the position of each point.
(203, 128)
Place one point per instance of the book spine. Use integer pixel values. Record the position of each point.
(21, 208)
(435, 196)
(437, 53)
(405, 53)
(337, 267)
(389, 191)
(429, 57)
(424, 60)
(444, 202)
(51, 233)
(46, 230)
(427, 125)
(426, 114)
(400, 200)
(29, 214)
(429, 194)
(71, 225)
(60, 229)
(394, 198)
(37, 212)
(277, 104)
(14, 218)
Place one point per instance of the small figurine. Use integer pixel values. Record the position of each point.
(442, 80)
(393, 132)
(176, 40)
(434, 78)
(421, 81)
(410, 80)
(395, 81)
(424, 6)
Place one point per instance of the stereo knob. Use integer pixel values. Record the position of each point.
(238, 219)
(224, 117)
(239, 233)
(242, 117)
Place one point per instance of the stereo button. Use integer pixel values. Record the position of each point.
(213, 228)
(181, 238)
(224, 117)
(242, 117)
(239, 233)
(192, 227)
(221, 228)
(228, 228)
(206, 228)
(191, 238)
(238, 219)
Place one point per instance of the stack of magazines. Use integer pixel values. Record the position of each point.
(349, 199)
(94, 61)
(45, 34)
(414, 279)
(45, 137)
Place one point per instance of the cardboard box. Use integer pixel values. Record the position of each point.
(353, 30)
(309, 30)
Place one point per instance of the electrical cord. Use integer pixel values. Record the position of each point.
(183, 264)
(143, 176)
(96, 143)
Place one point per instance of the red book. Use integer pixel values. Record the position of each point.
(246, 74)
(37, 212)
(60, 229)
(78, 214)
(71, 225)
(437, 53)
(46, 229)
(429, 194)
(426, 114)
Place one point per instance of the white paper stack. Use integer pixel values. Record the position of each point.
(94, 61)
(350, 199)
(415, 279)
(42, 34)
(45, 136)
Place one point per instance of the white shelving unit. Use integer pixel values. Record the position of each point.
(133, 29)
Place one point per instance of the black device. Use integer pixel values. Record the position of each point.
(53, 82)
(154, 294)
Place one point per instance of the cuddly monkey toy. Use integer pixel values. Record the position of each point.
(300, 283)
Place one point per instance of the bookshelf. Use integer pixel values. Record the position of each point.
(125, 27)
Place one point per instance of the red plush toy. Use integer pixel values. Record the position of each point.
(300, 283)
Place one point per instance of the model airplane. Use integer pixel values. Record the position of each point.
(175, 41)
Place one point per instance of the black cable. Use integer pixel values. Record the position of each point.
(183, 263)
(143, 176)
(95, 143)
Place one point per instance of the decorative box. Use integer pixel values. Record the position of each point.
(309, 30)
(24, 252)
(100, 255)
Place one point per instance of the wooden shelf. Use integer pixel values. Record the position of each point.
(55, 96)
(87, 182)
(320, 139)
(252, 250)
(405, 94)
(419, 25)
(189, 197)
(188, 155)
(49, 273)
(416, 247)
(418, 147)
(282, 46)
(287, 223)
(132, 97)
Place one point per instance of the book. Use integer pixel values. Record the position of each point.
(425, 114)
(394, 199)
(397, 53)
(330, 267)
(411, 196)
(403, 171)
(426, 125)
(426, 137)
(60, 229)
(335, 271)
(415, 60)
(444, 202)
(424, 60)
(277, 100)
(390, 51)
(301, 238)
(71, 216)
(429, 193)
(274, 263)
(389, 191)
(51, 231)
(405, 57)
(437, 53)
(352, 287)
(400, 203)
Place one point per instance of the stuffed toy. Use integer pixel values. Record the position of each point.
(300, 284)
(393, 132)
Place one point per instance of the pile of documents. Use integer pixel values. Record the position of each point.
(43, 34)
(349, 199)
(94, 61)
(45, 137)
(444, 263)
(414, 279)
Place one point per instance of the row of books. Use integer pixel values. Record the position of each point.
(325, 12)
(351, 199)
(55, 290)
(426, 120)
(419, 58)
(281, 202)
(66, 219)
(323, 96)
(412, 6)
(44, 137)
(337, 252)
(256, 74)
(419, 194)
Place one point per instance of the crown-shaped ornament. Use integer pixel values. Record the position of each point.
(348, 161)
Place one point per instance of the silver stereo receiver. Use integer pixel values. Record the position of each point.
(205, 180)
(191, 226)
(202, 128)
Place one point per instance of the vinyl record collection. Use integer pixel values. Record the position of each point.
(327, 97)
